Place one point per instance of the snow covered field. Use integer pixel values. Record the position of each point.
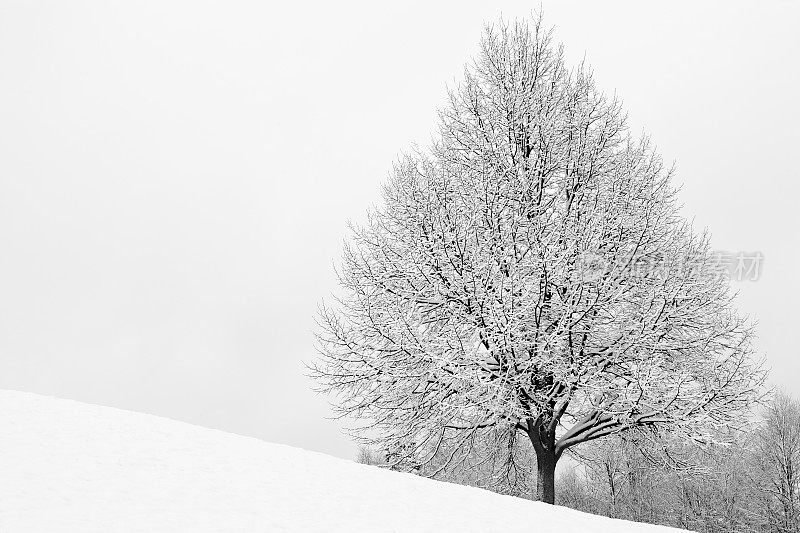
(72, 467)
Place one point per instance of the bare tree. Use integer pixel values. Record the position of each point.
(745, 484)
(530, 275)
(708, 489)
(778, 460)
(368, 456)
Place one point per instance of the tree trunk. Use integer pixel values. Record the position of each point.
(543, 438)
(546, 479)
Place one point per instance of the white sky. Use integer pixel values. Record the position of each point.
(176, 177)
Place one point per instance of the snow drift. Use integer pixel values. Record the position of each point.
(68, 466)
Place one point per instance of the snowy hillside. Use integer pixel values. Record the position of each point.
(68, 466)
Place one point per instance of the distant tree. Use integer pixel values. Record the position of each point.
(778, 464)
(746, 484)
(530, 275)
(368, 456)
(573, 492)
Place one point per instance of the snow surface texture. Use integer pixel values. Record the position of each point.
(67, 466)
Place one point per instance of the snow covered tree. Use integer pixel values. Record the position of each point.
(703, 489)
(778, 464)
(530, 276)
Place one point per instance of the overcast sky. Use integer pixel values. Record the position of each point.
(176, 177)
